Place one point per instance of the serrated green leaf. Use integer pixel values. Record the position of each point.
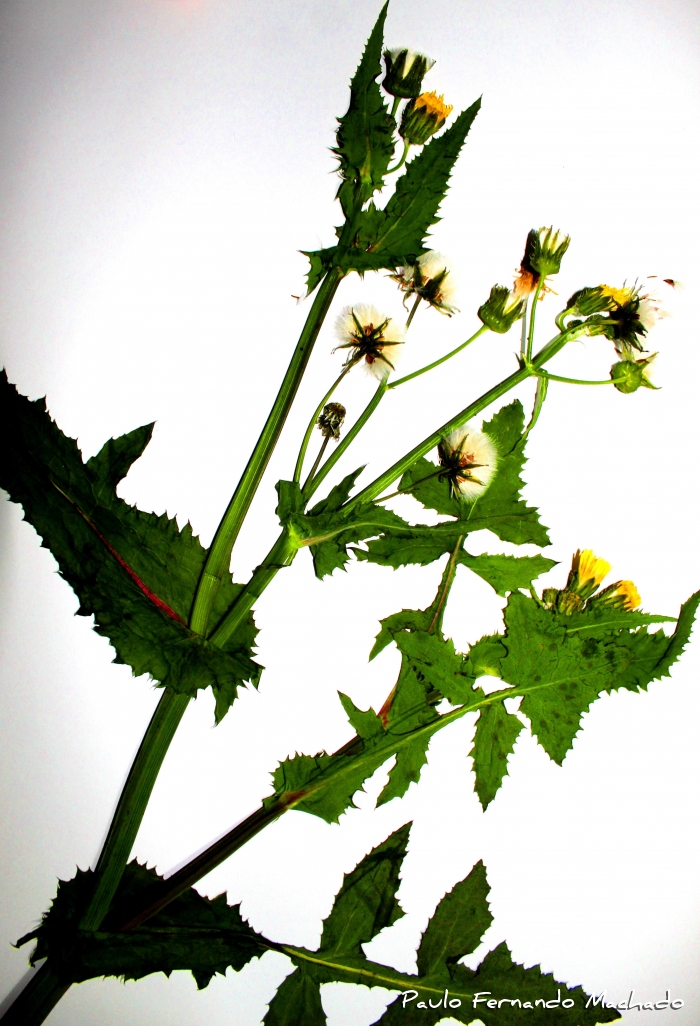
(443, 987)
(507, 573)
(434, 659)
(500, 509)
(389, 237)
(338, 495)
(365, 137)
(562, 673)
(496, 733)
(458, 923)
(195, 933)
(366, 903)
(484, 657)
(328, 535)
(320, 262)
(366, 724)
(296, 1003)
(135, 572)
(410, 761)
(407, 619)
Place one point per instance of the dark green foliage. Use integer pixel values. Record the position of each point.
(366, 904)
(296, 1003)
(500, 510)
(135, 572)
(365, 133)
(335, 530)
(496, 734)
(206, 937)
(396, 235)
(562, 673)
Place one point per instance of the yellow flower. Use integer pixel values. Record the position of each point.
(620, 595)
(435, 105)
(619, 296)
(589, 567)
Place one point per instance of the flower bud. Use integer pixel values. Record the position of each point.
(587, 572)
(544, 250)
(331, 419)
(593, 300)
(629, 374)
(423, 117)
(404, 72)
(501, 310)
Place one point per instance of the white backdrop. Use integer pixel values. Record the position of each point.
(162, 164)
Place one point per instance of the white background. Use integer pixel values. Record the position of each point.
(162, 163)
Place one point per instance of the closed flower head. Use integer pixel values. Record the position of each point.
(431, 279)
(469, 459)
(372, 338)
(587, 572)
(544, 250)
(405, 70)
(502, 309)
(423, 117)
(330, 420)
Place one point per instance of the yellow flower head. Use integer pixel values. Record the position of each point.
(620, 595)
(589, 568)
(434, 105)
(619, 296)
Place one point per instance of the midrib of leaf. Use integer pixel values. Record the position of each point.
(369, 755)
(376, 972)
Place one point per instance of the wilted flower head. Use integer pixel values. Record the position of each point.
(585, 577)
(371, 337)
(330, 420)
(430, 278)
(502, 309)
(469, 458)
(405, 70)
(623, 314)
(423, 117)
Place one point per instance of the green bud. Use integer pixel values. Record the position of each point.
(423, 117)
(501, 310)
(544, 250)
(591, 301)
(405, 70)
(628, 375)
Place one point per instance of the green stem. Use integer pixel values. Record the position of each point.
(443, 359)
(414, 311)
(409, 488)
(312, 485)
(533, 311)
(400, 163)
(317, 461)
(280, 555)
(571, 381)
(540, 396)
(132, 804)
(219, 556)
(395, 106)
(41, 995)
(377, 486)
(313, 421)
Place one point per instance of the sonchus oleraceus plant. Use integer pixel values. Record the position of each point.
(171, 609)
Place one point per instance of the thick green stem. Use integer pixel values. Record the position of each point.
(219, 556)
(389, 476)
(280, 555)
(443, 359)
(132, 804)
(37, 1000)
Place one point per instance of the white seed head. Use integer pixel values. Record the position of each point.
(475, 447)
(388, 342)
